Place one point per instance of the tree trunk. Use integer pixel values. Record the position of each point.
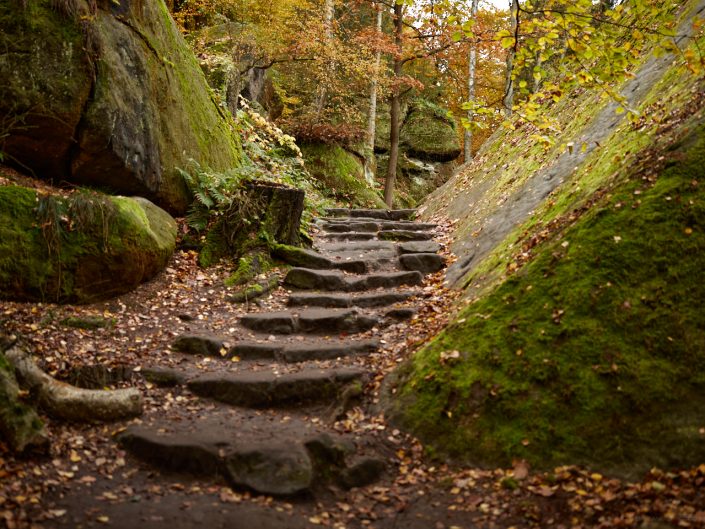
(471, 86)
(328, 16)
(509, 87)
(396, 108)
(372, 117)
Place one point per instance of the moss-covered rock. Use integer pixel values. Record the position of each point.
(20, 426)
(342, 173)
(112, 98)
(429, 133)
(81, 248)
(592, 353)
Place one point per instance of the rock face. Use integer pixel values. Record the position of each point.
(343, 172)
(82, 248)
(109, 98)
(428, 146)
(428, 134)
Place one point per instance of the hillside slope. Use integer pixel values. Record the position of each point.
(580, 336)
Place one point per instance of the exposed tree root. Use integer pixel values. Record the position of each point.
(64, 401)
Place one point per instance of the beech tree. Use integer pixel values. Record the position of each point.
(578, 43)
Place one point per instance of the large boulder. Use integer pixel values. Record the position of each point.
(109, 96)
(79, 248)
(429, 133)
(342, 172)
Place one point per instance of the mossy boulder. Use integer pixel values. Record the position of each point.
(80, 248)
(594, 352)
(108, 96)
(429, 133)
(342, 173)
(20, 427)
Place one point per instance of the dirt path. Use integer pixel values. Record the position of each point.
(265, 414)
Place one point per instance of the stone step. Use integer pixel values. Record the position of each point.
(405, 235)
(359, 246)
(306, 258)
(352, 226)
(426, 263)
(387, 214)
(325, 321)
(419, 247)
(266, 389)
(341, 300)
(349, 236)
(349, 226)
(268, 458)
(302, 352)
(336, 281)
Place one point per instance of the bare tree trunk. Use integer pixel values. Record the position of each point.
(372, 117)
(471, 85)
(328, 15)
(396, 108)
(509, 87)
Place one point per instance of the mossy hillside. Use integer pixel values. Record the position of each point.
(342, 174)
(81, 248)
(594, 352)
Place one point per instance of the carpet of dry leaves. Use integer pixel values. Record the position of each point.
(417, 492)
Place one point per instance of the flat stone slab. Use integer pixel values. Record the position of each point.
(336, 281)
(405, 235)
(361, 246)
(272, 322)
(372, 299)
(426, 263)
(280, 469)
(265, 389)
(306, 258)
(163, 376)
(349, 236)
(198, 344)
(419, 247)
(309, 321)
(250, 452)
(302, 352)
(406, 225)
(388, 214)
(350, 226)
(322, 351)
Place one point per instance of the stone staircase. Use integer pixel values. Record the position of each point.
(275, 387)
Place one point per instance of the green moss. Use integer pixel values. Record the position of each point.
(342, 175)
(429, 133)
(20, 427)
(88, 246)
(594, 352)
(88, 322)
(249, 267)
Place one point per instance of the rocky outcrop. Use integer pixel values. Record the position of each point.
(342, 172)
(81, 248)
(428, 146)
(429, 133)
(107, 96)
